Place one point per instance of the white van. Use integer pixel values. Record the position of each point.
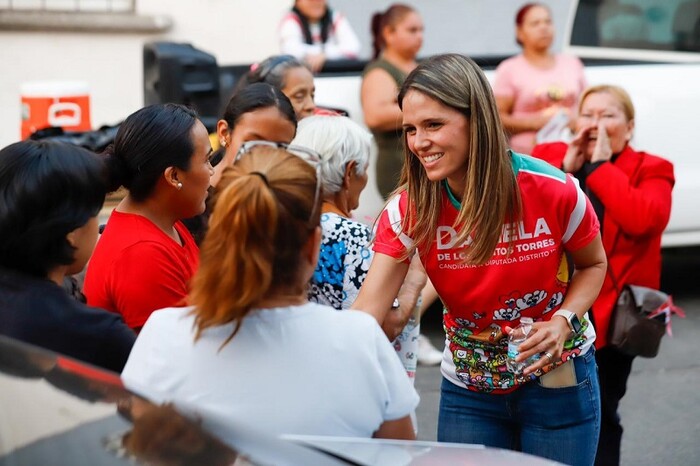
(650, 48)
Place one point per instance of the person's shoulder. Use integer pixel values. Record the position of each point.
(338, 222)
(527, 165)
(374, 64)
(654, 166)
(397, 205)
(44, 299)
(337, 16)
(551, 152)
(655, 160)
(172, 316)
(569, 60)
(175, 322)
(290, 18)
(348, 319)
(401, 197)
(126, 228)
(74, 316)
(360, 321)
(378, 65)
(510, 63)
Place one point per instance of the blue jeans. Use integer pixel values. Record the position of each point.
(561, 424)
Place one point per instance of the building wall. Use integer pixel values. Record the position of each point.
(111, 63)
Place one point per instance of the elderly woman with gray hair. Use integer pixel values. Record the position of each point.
(344, 148)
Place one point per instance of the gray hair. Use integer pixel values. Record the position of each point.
(339, 141)
(273, 70)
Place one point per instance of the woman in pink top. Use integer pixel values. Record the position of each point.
(536, 85)
(146, 257)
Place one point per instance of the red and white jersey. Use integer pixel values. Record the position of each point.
(529, 280)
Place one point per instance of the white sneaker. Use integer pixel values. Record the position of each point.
(428, 355)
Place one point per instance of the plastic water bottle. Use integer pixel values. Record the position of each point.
(515, 338)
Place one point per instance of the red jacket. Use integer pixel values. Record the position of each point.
(635, 191)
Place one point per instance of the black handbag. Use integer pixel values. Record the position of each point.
(641, 317)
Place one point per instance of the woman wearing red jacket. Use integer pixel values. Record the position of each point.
(631, 193)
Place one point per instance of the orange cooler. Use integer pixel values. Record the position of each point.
(55, 103)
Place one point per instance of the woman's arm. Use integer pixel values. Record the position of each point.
(411, 289)
(401, 429)
(428, 295)
(640, 210)
(590, 264)
(379, 105)
(381, 286)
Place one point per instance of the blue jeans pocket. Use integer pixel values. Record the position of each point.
(575, 403)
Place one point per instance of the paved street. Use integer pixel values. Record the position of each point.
(661, 411)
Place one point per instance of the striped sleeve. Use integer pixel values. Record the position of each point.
(389, 238)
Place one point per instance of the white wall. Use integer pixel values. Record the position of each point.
(235, 31)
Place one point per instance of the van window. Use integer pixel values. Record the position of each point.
(638, 24)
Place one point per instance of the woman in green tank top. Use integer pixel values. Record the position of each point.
(398, 36)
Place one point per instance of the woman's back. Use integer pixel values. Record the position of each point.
(300, 369)
(343, 262)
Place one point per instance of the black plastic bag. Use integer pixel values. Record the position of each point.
(96, 140)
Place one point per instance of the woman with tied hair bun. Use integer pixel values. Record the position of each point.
(251, 347)
(257, 111)
(289, 75)
(146, 257)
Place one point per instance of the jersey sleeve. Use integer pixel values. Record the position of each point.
(389, 238)
(581, 224)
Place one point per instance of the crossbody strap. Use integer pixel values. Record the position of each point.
(610, 272)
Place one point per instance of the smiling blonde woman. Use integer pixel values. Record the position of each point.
(492, 228)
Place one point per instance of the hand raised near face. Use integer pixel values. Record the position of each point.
(602, 151)
(576, 153)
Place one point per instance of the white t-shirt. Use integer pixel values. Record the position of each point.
(296, 370)
(342, 41)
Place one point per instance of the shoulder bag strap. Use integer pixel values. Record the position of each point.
(610, 272)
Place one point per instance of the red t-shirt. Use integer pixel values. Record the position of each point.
(480, 301)
(136, 268)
